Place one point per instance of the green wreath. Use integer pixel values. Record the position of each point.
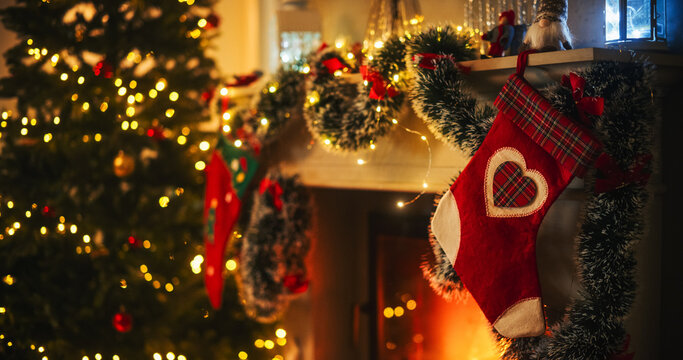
(274, 246)
(345, 115)
(593, 326)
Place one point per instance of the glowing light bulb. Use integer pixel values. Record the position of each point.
(231, 265)
(398, 311)
(164, 200)
(388, 312)
(200, 165)
(226, 116)
(272, 89)
(64, 76)
(130, 99)
(173, 96)
(122, 91)
(182, 140)
(360, 162)
(411, 304)
(372, 147)
(396, 77)
(160, 85)
(238, 143)
(168, 287)
(242, 355)
(269, 344)
(118, 82)
(224, 91)
(379, 44)
(73, 229)
(86, 106)
(80, 80)
(378, 108)
(104, 106)
(204, 145)
(264, 121)
(226, 128)
(133, 84)
(170, 113)
(153, 93)
(43, 230)
(47, 137)
(400, 204)
(86, 238)
(280, 333)
(133, 124)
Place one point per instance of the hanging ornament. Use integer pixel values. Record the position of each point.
(134, 242)
(391, 17)
(103, 69)
(122, 321)
(123, 164)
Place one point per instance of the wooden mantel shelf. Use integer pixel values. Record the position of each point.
(399, 163)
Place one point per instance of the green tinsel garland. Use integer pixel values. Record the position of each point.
(340, 113)
(280, 100)
(593, 328)
(274, 247)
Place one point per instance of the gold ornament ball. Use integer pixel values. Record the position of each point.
(123, 164)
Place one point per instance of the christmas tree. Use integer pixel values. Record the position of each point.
(101, 186)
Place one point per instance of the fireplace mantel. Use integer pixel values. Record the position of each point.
(400, 161)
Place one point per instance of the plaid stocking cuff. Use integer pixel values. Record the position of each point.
(570, 144)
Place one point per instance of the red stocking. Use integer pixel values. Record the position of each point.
(487, 223)
(221, 209)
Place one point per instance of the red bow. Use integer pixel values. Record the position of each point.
(586, 105)
(333, 64)
(379, 88)
(611, 177)
(275, 191)
(428, 61)
(296, 284)
(622, 354)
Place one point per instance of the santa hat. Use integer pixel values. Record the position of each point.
(552, 10)
(510, 15)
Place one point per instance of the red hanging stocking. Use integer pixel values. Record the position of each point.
(224, 187)
(487, 223)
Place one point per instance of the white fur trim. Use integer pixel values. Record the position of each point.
(523, 319)
(501, 156)
(446, 225)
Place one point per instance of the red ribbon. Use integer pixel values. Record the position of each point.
(586, 104)
(611, 176)
(275, 191)
(333, 64)
(379, 88)
(429, 60)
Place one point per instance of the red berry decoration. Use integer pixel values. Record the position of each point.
(134, 242)
(103, 69)
(122, 322)
(212, 22)
(47, 211)
(156, 132)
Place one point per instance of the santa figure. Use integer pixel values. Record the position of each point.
(549, 32)
(501, 36)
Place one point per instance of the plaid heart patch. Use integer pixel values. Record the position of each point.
(511, 188)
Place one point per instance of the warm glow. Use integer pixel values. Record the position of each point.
(182, 140)
(258, 343)
(163, 201)
(388, 312)
(224, 91)
(411, 304)
(398, 311)
(168, 287)
(238, 143)
(360, 162)
(173, 96)
(231, 265)
(269, 344)
(143, 268)
(160, 85)
(280, 333)
(204, 146)
(226, 116)
(400, 204)
(200, 165)
(242, 355)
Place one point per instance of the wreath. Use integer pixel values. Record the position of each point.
(274, 246)
(280, 100)
(345, 114)
(593, 326)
